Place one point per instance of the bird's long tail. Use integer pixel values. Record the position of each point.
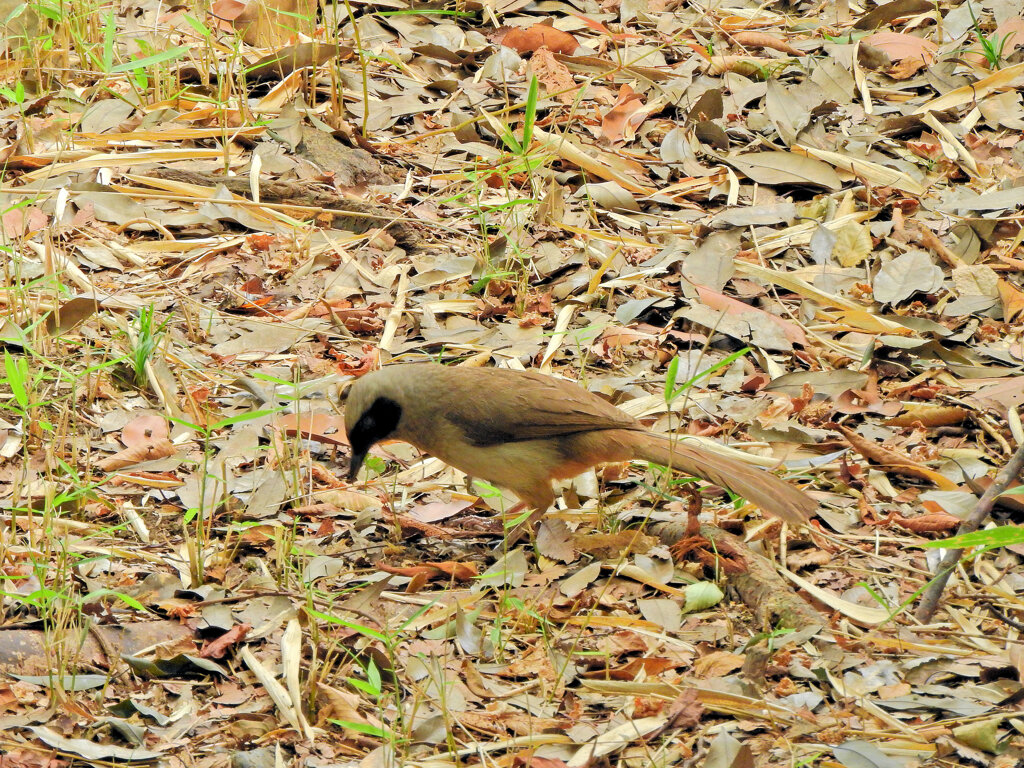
(772, 494)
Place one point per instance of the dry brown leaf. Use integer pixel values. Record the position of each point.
(218, 647)
(23, 221)
(929, 415)
(894, 461)
(1005, 393)
(1012, 298)
(609, 546)
(853, 245)
(997, 81)
(717, 664)
(342, 705)
(145, 429)
(910, 52)
(71, 313)
(613, 122)
(336, 498)
(938, 522)
(325, 428)
(265, 23)
(887, 12)
(602, 164)
(647, 666)
(875, 173)
(146, 451)
(555, 541)
(440, 510)
(537, 36)
(447, 569)
(793, 332)
(603, 30)
(1012, 499)
(147, 479)
(759, 68)
(554, 75)
(784, 168)
(867, 399)
(764, 40)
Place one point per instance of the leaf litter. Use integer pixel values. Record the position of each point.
(215, 218)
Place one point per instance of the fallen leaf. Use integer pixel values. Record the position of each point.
(929, 415)
(1013, 300)
(763, 40)
(144, 451)
(540, 35)
(907, 274)
(555, 541)
(613, 122)
(894, 461)
(145, 429)
(554, 76)
(911, 52)
(852, 244)
(887, 12)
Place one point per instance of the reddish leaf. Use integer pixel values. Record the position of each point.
(144, 429)
(216, 649)
(540, 35)
(614, 121)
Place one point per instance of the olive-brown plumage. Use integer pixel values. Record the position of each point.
(522, 430)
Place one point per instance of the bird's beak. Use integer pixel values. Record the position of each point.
(355, 463)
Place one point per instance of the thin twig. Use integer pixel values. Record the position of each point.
(1008, 474)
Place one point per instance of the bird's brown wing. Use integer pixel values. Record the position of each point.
(494, 406)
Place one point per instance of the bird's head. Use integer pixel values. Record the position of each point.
(372, 414)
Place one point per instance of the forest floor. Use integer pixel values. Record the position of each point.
(802, 223)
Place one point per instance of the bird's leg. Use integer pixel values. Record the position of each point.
(527, 526)
(540, 499)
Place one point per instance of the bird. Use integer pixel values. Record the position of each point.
(521, 430)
